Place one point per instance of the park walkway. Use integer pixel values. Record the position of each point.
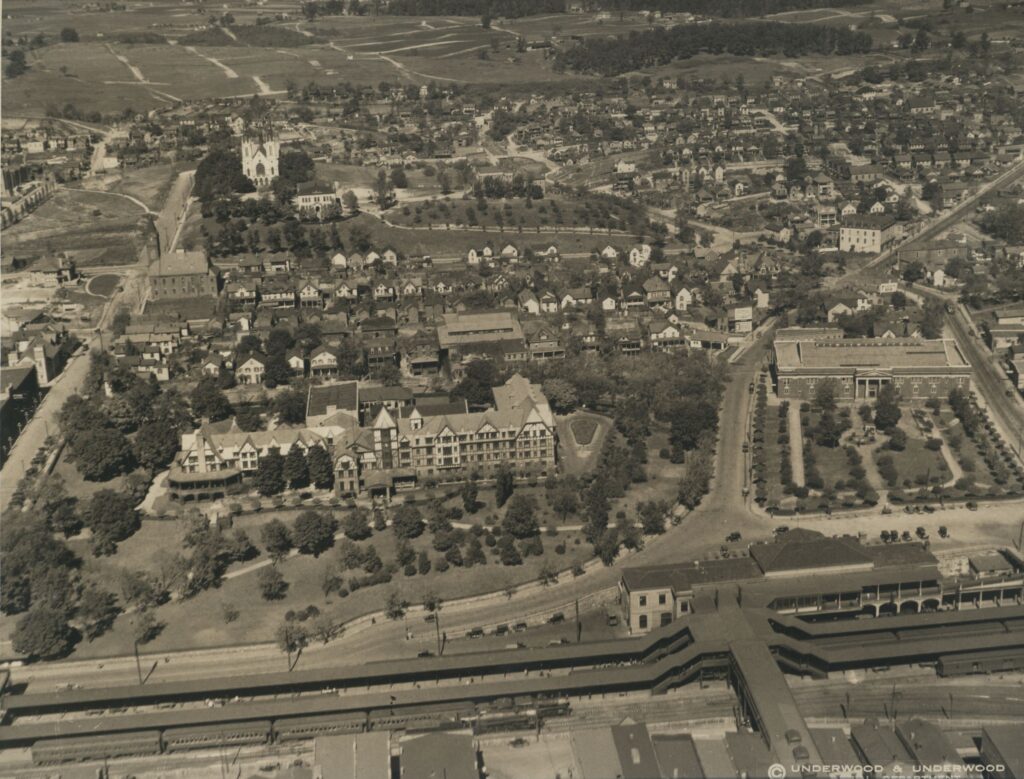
(796, 444)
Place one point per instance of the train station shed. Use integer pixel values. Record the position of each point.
(1002, 745)
(353, 756)
(439, 756)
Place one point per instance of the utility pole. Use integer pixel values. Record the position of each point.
(138, 663)
(437, 627)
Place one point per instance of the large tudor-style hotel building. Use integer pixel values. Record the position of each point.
(918, 368)
(401, 445)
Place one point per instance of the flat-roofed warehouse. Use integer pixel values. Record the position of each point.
(918, 368)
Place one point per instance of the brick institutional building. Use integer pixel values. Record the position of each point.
(918, 368)
(182, 274)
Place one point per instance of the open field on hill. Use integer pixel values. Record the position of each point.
(99, 229)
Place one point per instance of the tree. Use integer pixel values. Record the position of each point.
(28, 549)
(103, 454)
(828, 431)
(276, 539)
(112, 518)
(407, 521)
(422, 563)
(795, 169)
(504, 485)
(58, 508)
(219, 174)
(351, 202)
(16, 64)
(563, 501)
(914, 271)
(371, 560)
(887, 410)
(250, 420)
(290, 407)
(469, 493)
(507, 552)
(324, 628)
(155, 445)
(97, 610)
(357, 524)
(314, 532)
(384, 191)
(270, 474)
(271, 583)
(395, 606)
(398, 178)
(69, 35)
(825, 395)
(295, 470)
(208, 402)
(145, 627)
(561, 394)
(321, 469)
(291, 638)
(120, 322)
(43, 633)
(520, 517)
(652, 516)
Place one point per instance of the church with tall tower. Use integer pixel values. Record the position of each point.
(261, 153)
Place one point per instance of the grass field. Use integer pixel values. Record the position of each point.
(97, 229)
(203, 614)
(583, 430)
(104, 284)
(149, 184)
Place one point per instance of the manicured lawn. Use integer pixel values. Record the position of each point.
(104, 284)
(917, 463)
(583, 430)
(199, 621)
(577, 450)
(76, 485)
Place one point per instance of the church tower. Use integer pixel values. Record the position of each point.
(261, 152)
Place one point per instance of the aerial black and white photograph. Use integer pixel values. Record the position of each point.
(512, 389)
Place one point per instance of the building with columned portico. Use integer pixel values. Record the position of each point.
(860, 367)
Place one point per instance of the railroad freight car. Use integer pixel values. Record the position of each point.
(295, 728)
(980, 663)
(227, 734)
(51, 751)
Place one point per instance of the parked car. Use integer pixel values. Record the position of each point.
(475, 633)
(557, 617)
(519, 627)
(425, 653)
(734, 536)
(501, 630)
